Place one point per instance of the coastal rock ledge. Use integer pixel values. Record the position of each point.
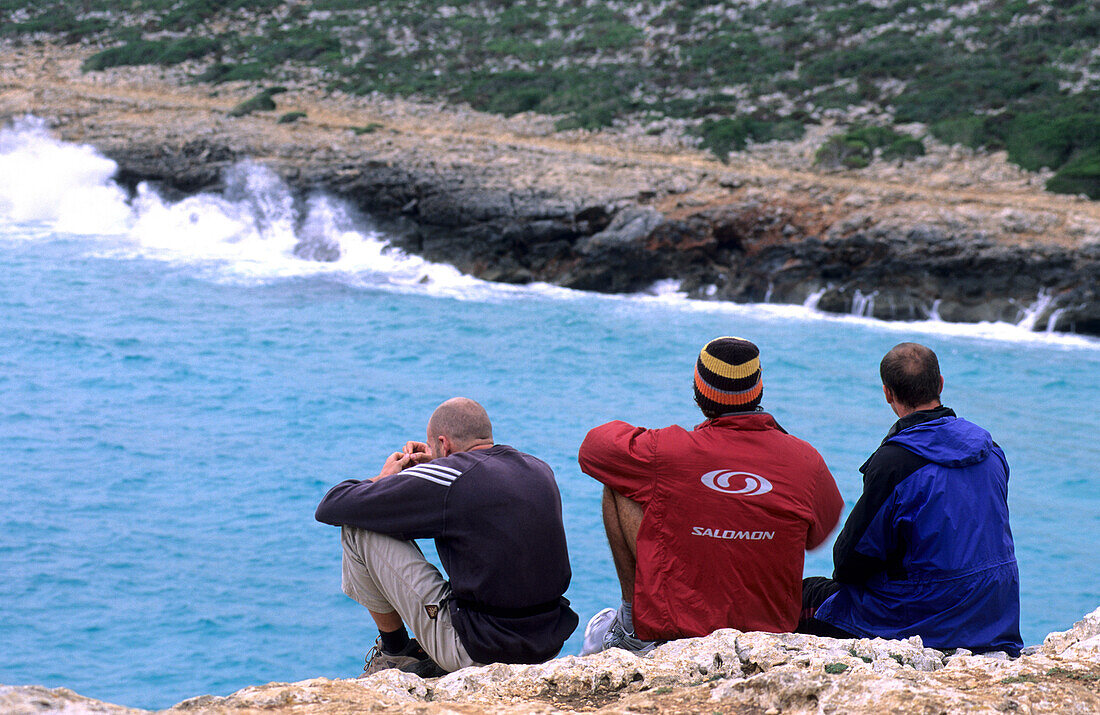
(726, 672)
(955, 235)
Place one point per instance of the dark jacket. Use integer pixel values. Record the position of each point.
(927, 550)
(495, 515)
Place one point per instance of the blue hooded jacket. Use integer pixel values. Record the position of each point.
(927, 550)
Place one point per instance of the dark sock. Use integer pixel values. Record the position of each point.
(394, 641)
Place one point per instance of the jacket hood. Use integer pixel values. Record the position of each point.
(949, 441)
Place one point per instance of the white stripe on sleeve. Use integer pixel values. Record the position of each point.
(439, 475)
(441, 472)
(425, 476)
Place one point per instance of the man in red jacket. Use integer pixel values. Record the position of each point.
(708, 529)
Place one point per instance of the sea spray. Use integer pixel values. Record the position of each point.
(254, 230)
(67, 186)
(814, 298)
(863, 306)
(1031, 314)
(257, 231)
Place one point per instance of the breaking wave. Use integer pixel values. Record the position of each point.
(256, 231)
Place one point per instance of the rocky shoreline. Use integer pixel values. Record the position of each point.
(954, 235)
(765, 247)
(725, 672)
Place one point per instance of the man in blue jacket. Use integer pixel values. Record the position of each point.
(495, 515)
(927, 550)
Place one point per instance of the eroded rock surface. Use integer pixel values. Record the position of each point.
(726, 672)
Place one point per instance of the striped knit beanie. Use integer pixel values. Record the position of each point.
(727, 376)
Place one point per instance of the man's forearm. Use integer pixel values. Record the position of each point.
(339, 506)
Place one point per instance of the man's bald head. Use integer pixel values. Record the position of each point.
(912, 373)
(463, 422)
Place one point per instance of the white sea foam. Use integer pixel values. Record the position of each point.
(863, 305)
(256, 232)
(249, 232)
(64, 185)
(997, 331)
(1030, 314)
(813, 299)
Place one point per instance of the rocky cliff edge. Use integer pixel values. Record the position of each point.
(725, 672)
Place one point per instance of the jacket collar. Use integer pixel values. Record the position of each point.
(919, 417)
(757, 419)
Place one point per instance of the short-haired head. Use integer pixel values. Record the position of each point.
(727, 377)
(911, 372)
(464, 423)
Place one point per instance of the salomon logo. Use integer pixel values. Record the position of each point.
(732, 534)
(730, 482)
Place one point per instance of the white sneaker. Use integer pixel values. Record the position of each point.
(605, 631)
(596, 629)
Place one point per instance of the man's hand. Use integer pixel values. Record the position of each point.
(418, 452)
(394, 464)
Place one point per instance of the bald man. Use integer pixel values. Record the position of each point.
(495, 515)
(927, 550)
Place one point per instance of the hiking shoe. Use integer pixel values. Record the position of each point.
(410, 659)
(605, 630)
(426, 668)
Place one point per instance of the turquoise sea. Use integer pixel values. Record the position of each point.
(177, 391)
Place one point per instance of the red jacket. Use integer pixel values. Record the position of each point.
(729, 510)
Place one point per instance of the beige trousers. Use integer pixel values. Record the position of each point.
(386, 575)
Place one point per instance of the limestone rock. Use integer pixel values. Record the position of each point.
(1083, 640)
(35, 699)
(728, 671)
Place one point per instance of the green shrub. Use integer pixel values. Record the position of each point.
(516, 19)
(151, 52)
(367, 129)
(224, 72)
(1080, 175)
(873, 136)
(971, 131)
(955, 82)
(291, 117)
(609, 35)
(591, 97)
(855, 148)
(509, 92)
(299, 47)
(721, 136)
(187, 14)
(1041, 139)
(190, 13)
(261, 102)
(590, 118)
(841, 151)
(788, 129)
(58, 22)
(904, 148)
(836, 97)
(993, 79)
(893, 54)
